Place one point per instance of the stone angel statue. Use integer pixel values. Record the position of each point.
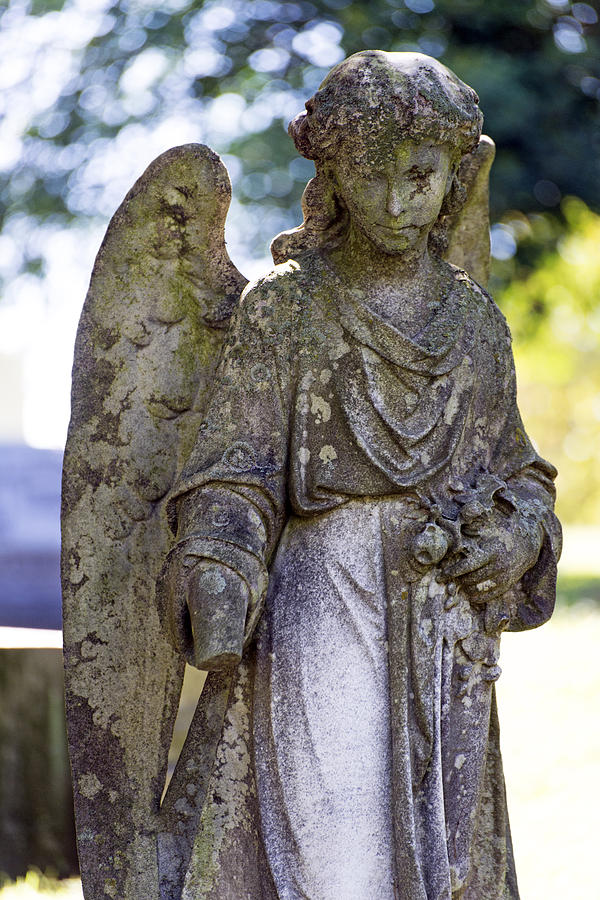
(318, 489)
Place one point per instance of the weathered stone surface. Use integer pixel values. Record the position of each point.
(360, 517)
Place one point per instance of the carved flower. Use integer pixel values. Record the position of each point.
(259, 373)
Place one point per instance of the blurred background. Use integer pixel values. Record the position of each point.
(93, 90)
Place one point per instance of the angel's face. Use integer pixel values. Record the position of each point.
(394, 196)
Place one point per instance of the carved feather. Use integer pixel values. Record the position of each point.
(469, 228)
(162, 291)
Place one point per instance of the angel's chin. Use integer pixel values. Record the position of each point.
(394, 241)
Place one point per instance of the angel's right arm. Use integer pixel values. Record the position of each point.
(228, 506)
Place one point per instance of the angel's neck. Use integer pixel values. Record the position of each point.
(360, 261)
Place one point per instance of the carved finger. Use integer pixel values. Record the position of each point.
(487, 574)
(471, 563)
(493, 593)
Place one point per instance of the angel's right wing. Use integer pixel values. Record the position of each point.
(162, 291)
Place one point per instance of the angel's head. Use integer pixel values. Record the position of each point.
(387, 132)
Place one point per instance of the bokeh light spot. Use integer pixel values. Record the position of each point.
(503, 243)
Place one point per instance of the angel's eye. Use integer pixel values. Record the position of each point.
(418, 172)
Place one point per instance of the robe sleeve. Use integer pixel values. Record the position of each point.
(229, 502)
(530, 491)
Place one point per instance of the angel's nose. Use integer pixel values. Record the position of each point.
(394, 200)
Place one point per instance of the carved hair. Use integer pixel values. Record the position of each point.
(409, 95)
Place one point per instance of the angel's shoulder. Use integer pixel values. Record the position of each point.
(278, 293)
(492, 317)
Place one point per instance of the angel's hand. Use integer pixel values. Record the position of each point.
(203, 606)
(494, 556)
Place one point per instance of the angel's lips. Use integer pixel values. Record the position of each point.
(397, 229)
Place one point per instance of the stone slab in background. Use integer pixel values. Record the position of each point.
(36, 807)
(36, 811)
(29, 537)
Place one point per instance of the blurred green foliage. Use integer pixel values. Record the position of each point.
(554, 315)
(535, 63)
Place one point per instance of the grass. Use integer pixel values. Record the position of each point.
(548, 700)
(578, 589)
(36, 884)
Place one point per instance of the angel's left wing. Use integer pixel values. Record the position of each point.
(469, 228)
(162, 291)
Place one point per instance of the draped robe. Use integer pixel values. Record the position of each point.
(330, 441)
